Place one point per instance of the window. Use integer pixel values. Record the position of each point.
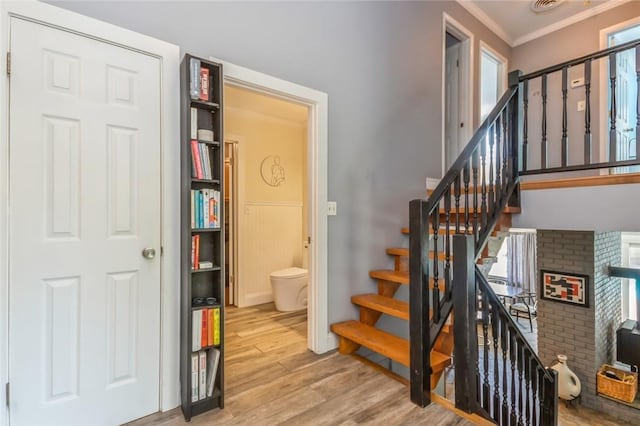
(630, 258)
(492, 79)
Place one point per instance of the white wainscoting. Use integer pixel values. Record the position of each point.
(270, 239)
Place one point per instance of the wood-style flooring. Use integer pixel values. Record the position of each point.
(272, 379)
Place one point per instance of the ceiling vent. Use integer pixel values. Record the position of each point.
(540, 6)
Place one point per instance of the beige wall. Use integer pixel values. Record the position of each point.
(270, 218)
(571, 42)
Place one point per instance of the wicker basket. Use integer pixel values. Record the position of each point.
(623, 390)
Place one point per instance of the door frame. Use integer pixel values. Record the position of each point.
(319, 338)
(234, 198)
(467, 48)
(169, 57)
(603, 92)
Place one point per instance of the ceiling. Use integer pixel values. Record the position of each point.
(515, 23)
(249, 100)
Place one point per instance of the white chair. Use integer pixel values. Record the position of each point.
(526, 306)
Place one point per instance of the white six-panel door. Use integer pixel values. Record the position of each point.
(84, 203)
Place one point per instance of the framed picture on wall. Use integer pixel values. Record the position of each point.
(565, 287)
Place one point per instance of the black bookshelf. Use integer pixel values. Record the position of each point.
(203, 282)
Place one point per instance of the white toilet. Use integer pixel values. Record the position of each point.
(290, 289)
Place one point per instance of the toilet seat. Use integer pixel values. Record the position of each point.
(289, 273)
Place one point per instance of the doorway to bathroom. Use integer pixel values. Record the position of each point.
(267, 192)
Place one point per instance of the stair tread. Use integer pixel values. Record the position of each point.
(386, 305)
(401, 277)
(404, 251)
(384, 343)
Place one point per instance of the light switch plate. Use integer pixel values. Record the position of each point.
(581, 105)
(332, 208)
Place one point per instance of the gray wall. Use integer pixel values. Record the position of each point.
(380, 63)
(600, 208)
(570, 42)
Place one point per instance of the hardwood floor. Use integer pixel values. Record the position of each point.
(271, 378)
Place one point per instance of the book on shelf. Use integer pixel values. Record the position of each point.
(211, 337)
(195, 364)
(213, 361)
(195, 252)
(201, 161)
(205, 211)
(204, 339)
(196, 334)
(216, 325)
(204, 84)
(205, 264)
(196, 170)
(194, 123)
(202, 384)
(194, 78)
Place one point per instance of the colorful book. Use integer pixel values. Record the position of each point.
(197, 253)
(194, 78)
(216, 326)
(210, 337)
(195, 153)
(195, 378)
(202, 384)
(207, 162)
(212, 212)
(193, 204)
(204, 84)
(204, 342)
(196, 324)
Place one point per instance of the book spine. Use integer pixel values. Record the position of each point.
(216, 326)
(193, 212)
(194, 378)
(196, 260)
(205, 332)
(194, 78)
(195, 152)
(193, 252)
(199, 210)
(194, 123)
(204, 208)
(202, 385)
(207, 164)
(196, 323)
(216, 209)
(204, 84)
(211, 337)
(212, 212)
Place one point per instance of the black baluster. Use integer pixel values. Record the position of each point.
(485, 352)
(483, 176)
(435, 300)
(495, 330)
(525, 124)
(534, 396)
(492, 201)
(505, 151)
(456, 195)
(467, 179)
(587, 112)
(447, 244)
(527, 382)
(637, 102)
(543, 146)
(513, 354)
(520, 380)
(613, 137)
(565, 139)
(474, 167)
(541, 396)
(504, 343)
(498, 185)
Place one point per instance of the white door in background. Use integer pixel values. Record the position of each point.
(84, 203)
(626, 104)
(452, 104)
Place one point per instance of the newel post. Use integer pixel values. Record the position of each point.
(420, 348)
(516, 124)
(465, 333)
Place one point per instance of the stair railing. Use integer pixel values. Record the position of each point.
(479, 184)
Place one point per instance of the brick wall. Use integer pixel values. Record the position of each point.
(585, 335)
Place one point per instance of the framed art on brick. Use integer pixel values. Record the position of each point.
(564, 287)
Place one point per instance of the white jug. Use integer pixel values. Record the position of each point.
(569, 386)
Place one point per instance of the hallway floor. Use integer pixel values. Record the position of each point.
(271, 378)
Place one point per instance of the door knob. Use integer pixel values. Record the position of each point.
(149, 253)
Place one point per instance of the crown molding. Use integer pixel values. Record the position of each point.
(586, 14)
(485, 19)
(480, 15)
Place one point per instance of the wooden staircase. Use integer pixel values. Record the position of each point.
(354, 334)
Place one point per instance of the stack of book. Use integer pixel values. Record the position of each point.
(199, 81)
(204, 366)
(205, 208)
(206, 328)
(200, 161)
